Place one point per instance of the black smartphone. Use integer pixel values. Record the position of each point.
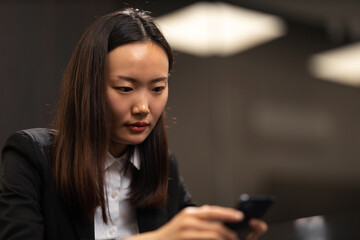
(252, 207)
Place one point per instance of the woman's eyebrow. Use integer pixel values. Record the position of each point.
(133, 80)
(160, 79)
(129, 79)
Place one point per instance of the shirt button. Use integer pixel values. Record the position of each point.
(111, 231)
(113, 194)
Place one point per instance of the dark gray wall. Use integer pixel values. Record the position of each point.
(264, 125)
(254, 122)
(36, 42)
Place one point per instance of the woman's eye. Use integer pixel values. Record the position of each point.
(124, 89)
(158, 89)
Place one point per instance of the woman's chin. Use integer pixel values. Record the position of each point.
(129, 141)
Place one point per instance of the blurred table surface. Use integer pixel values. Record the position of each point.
(344, 226)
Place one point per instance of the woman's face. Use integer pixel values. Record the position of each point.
(137, 92)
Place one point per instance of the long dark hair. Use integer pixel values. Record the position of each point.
(83, 124)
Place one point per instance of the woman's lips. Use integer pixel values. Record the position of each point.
(138, 126)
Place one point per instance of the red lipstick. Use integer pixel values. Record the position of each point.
(138, 126)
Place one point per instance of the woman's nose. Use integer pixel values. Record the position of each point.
(141, 108)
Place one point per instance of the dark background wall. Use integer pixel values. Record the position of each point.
(253, 122)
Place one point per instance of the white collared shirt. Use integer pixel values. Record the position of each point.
(122, 222)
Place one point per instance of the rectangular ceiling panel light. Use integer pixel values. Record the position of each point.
(341, 65)
(208, 29)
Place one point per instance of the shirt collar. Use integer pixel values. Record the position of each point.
(134, 159)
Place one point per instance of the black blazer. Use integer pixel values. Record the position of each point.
(30, 208)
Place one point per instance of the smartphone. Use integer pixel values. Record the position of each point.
(252, 207)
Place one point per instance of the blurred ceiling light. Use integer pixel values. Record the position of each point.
(221, 29)
(341, 65)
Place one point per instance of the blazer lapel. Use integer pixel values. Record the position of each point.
(84, 229)
(151, 219)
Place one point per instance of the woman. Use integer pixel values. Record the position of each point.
(105, 171)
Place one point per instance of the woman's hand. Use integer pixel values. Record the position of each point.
(204, 223)
(258, 228)
(201, 223)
